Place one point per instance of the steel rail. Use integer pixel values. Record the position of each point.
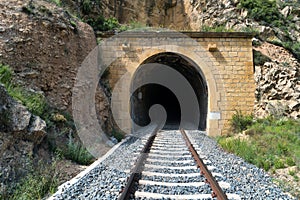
(217, 190)
(136, 173)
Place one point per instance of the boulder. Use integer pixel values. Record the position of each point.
(286, 11)
(15, 118)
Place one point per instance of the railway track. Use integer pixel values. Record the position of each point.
(170, 166)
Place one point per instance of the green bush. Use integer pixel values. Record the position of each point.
(37, 184)
(86, 6)
(273, 144)
(259, 58)
(34, 102)
(240, 147)
(5, 74)
(290, 161)
(264, 10)
(77, 153)
(103, 24)
(293, 47)
(240, 122)
(220, 28)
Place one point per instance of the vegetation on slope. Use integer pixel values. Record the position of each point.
(267, 12)
(270, 143)
(43, 177)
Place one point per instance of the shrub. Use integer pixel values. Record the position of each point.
(86, 6)
(77, 153)
(37, 184)
(279, 164)
(34, 102)
(290, 161)
(119, 136)
(293, 47)
(259, 58)
(264, 10)
(240, 122)
(241, 147)
(102, 24)
(220, 28)
(5, 74)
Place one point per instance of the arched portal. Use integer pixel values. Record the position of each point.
(147, 95)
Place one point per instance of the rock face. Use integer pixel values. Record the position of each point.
(16, 119)
(194, 15)
(20, 132)
(278, 84)
(45, 46)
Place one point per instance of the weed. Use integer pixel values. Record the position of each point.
(240, 122)
(290, 161)
(279, 164)
(73, 23)
(57, 2)
(292, 172)
(262, 10)
(34, 102)
(77, 153)
(119, 136)
(259, 58)
(216, 29)
(273, 144)
(241, 147)
(40, 182)
(5, 74)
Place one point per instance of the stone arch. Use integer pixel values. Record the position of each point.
(199, 60)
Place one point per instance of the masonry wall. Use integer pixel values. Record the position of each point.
(225, 60)
(234, 60)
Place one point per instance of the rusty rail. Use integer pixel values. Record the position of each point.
(217, 190)
(136, 174)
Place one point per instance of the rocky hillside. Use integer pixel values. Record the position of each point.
(43, 46)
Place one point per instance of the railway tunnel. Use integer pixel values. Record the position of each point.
(150, 94)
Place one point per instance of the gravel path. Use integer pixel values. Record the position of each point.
(106, 180)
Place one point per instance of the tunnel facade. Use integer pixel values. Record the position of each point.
(217, 66)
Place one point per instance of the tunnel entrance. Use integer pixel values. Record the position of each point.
(150, 94)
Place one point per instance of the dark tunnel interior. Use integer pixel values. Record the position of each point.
(156, 94)
(149, 94)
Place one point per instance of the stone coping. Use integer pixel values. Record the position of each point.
(174, 34)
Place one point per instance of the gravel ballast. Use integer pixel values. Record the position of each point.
(108, 178)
